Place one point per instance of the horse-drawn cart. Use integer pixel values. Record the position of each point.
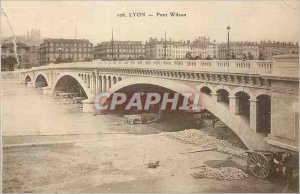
(263, 163)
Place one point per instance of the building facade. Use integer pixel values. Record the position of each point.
(119, 50)
(268, 49)
(65, 50)
(34, 56)
(203, 48)
(8, 60)
(166, 49)
(239, 50)
(155, 49)
(180, 50)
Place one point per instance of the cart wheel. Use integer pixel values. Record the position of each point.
(258, 164)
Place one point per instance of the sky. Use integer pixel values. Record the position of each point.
(94, 20)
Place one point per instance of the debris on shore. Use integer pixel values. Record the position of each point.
(223, 173)
(205, 141)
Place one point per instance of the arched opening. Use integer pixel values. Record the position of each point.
(114, 80)
(143, 90)
(223, 96)
(27, 79)
(68, 84)
(109, 82)
(243, 104)
(88, 81)
(104, 84)
(119, 79)
(263, 116)
(41, 81)
(206, 90)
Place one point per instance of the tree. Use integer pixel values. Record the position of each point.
(233, 56)
(208, 57)
(11, 62)
(188, 56)
(58, 60)
(198, 57)
(250, 56)
(4, 66)
(228, 57)
(244, 57)
(261, 56)
(69, 60)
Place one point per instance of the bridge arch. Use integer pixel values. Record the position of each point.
(75, 77)
(263, 113)
(169, 84)
(224, 87)
(236, 123)
(260, 92)
(41, 80)
(223, 96)
(27, 79)
(205, 88)
(242, 89)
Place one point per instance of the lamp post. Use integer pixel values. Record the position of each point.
(228, 47)
(215, 56)
(165, 55)
(60, 54)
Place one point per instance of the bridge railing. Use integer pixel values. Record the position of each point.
(229, 66)
(234, 66)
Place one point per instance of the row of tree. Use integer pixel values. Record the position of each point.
(8, 63)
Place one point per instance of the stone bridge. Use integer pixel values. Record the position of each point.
(258, 100)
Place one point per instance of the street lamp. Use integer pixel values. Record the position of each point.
(228, 48)
(60, 54)
(215, 49)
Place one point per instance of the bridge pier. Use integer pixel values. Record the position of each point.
(253, 113)
(214, 96)
(88, 105)
(232, 104)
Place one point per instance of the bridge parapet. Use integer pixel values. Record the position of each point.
(226, 66)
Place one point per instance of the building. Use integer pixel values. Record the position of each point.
(65, 50)
(163, 49)
(34, 56)
(121, 50)
(203, 48)
(268, 49)
(210, 51)
(239, 50)
(180, 50)
(201, 41)
(166, 49)
(155, 49)
(8, 60)
(197, 52)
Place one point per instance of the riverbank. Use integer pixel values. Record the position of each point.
(118, 164)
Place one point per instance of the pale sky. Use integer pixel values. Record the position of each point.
(249, 20)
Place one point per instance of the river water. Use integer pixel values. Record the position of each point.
(26, 111)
